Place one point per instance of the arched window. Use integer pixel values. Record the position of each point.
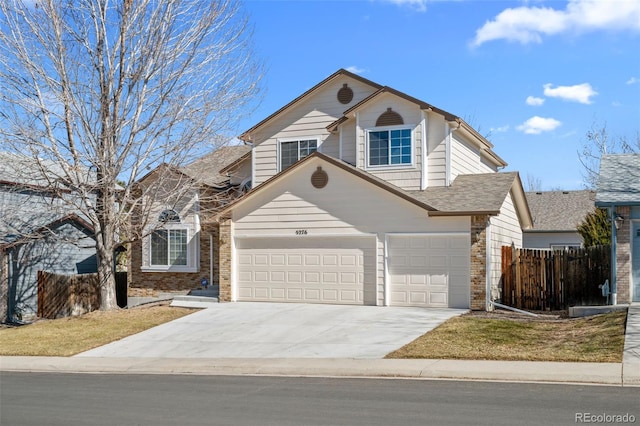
(169, 215)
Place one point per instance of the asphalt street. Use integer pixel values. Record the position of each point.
(102, 399)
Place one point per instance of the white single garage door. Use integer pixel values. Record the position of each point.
(306, 269)
(429, 270)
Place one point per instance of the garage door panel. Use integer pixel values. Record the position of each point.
(429, 270)
(314, 272)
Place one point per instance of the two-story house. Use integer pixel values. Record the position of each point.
(362, 194)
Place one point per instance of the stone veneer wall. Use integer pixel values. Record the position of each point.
(224, 254)
(150, 284)
(479, 262)
(623, 256)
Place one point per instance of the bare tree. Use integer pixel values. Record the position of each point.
(533, 183)
(107, 90)
(598, 142)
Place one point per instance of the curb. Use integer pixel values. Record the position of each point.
(509, 371)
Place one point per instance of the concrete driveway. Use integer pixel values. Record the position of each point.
(281, 330)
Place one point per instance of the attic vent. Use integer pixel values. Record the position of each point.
(345, 94)
(169, 215)
(389, 118)
(319, 178)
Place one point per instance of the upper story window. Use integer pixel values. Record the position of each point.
(293, 151)
(389, 147)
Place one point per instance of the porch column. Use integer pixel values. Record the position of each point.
(623, 255)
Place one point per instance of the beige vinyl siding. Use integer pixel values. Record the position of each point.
(331, 146)
(486, 166)
(347, 206)
(544, 240)
(436, 157)
(308, 118)
(187, 208)
(348, 131)
(465, 158)
(240, 173)
(505, 231)
(407, 177)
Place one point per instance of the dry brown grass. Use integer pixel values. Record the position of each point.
(592, 339)
(70, 336)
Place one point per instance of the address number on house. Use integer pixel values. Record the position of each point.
(301, 232)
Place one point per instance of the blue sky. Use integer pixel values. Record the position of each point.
(537, 75)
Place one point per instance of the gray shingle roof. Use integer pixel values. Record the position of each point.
(619, 180)
(559, 210)
(470, 193)
(206, 169)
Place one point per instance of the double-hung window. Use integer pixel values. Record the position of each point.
(390, 147)
(169, 247)
(292, 151)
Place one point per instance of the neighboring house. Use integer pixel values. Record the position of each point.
(619, 192)
(365, 195)
(179, 243)
(556, 216)
(38, 231)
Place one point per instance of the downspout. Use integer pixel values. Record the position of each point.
(211, 259)
(488, 267)
(358, 133)
(387, 284)
(614, 257)
(447, 155)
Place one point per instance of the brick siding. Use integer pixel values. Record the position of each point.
(479, 262)
(150, 284)
(623, 256)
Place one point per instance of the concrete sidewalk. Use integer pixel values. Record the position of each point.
(558, 372)
(631, 355)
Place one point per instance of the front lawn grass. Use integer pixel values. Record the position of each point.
(598, 338)
(70, 336)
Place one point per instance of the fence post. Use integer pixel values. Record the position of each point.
(41, 294)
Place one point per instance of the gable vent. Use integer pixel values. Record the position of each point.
(389, 118)
(319, 178)
(345, 94)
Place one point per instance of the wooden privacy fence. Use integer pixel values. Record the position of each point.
(554, 280)
(65, 295)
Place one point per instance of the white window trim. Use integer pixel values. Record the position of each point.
(407, 166)
(317, 138)
(192, 244)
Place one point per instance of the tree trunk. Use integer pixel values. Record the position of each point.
(107, 278)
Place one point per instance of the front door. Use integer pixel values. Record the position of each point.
(635, 261)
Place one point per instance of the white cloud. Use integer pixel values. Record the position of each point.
(419, 5)
(500, 129)
(533, 101)
(577, 93)
(633, 80)
(529, 24)
(536, 125)
(356, 70)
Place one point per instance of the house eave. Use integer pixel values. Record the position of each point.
(224, 213)
(440, 213)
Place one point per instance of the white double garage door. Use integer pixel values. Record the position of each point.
(421, 270)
